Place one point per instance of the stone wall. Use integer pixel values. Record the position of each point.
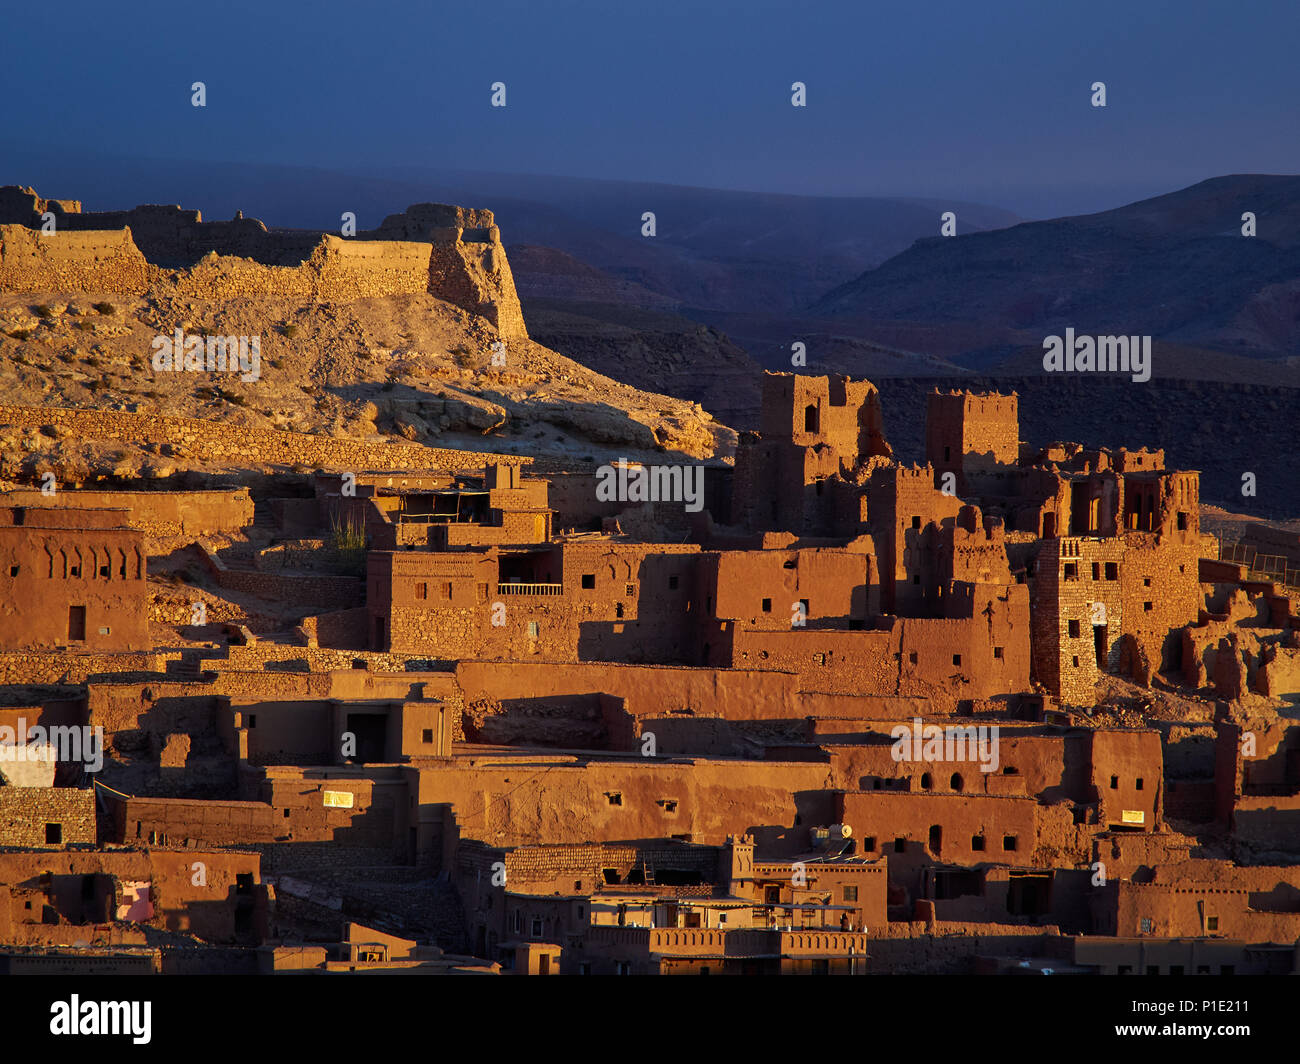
(26, 814)
(98, 262)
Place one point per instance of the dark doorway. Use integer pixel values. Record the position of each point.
(1049, 526)
(810, 418)
(1029, 894)
(936, 839)
(371, 730)
(76, 623)
(1100, 644)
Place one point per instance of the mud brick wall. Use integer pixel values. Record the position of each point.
(185, 822)
(158, 513)
(26, 811)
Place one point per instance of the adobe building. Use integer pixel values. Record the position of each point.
(676, 751)
(72, 579)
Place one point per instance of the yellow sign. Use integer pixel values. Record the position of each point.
(1131, 816)
(343, 800)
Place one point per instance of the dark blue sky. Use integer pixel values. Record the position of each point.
(985, 101)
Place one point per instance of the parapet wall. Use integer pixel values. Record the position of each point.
(159, 513)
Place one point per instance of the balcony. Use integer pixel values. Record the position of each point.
(530, 589)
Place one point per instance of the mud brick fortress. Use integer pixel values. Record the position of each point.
(1008, 710)
(453, 252)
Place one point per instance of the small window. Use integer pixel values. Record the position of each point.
(1074, 629)
(1211, 923)
(1146, 607)
(1146, 581)
(926, 782)
(916, 522)
(767, 605)
(428, 735)
(977, 843)
(446, 590)
(1075, 661)
(630, 590)
(1009, 843)
(421, 591)
(900, 844)
(850, 893)
(1096, 570)
(1146, 926)
(534, 630)
(588, 581)
(105, 572)
(672, 583)
(911, 657)
(53, 834)
(614, 797)
(956, 659)
(74, 570)
(997, 653)
(1112, 570)
(1139, 783)
(1071, 571)
(1182, 521)
(536, 928)
(1114, 783)
(869, 843)
(14, 570)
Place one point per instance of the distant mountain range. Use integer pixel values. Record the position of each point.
(1175, 267)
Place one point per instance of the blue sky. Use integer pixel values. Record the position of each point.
(984, 101)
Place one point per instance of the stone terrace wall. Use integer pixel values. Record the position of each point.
(60, 667)
(300, 589)
(98, 262)
(213, 441)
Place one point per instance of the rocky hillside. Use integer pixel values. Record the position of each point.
(403, 365)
